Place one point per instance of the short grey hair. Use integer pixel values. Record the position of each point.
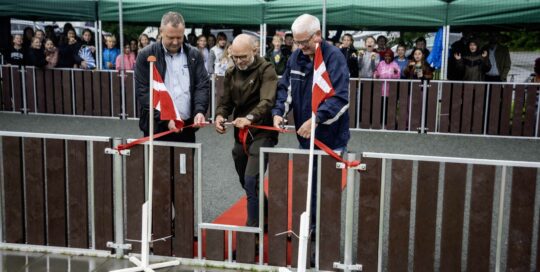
(306, 23)
(173, 18)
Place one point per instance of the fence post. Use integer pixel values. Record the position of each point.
(425, 85)
(23, 89)
(349, 213)
(118, 203)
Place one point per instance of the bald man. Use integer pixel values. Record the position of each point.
(249, 94)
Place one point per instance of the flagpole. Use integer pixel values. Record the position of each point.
(146, 229)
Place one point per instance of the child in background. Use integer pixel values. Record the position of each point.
(110, 53)
(129, 59)
(401, 60)
(51, 53)
(387, 69)
(16, 53)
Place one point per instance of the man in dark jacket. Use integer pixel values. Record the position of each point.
(249, 92)
(182, 69)
(295, 87)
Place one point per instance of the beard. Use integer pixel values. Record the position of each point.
(243, 67)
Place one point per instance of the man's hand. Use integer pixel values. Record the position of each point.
(241, 122)
(199, 120)
(278, 121)
(219, 124)
(172, 125)
(305, 129)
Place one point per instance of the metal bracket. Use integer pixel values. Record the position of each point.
(361, 167)
(118, 246)
(350, 267)
(112, 151)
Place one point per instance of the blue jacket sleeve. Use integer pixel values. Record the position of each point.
(282, 92)
(332, 108)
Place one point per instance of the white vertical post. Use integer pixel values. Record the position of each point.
(122, 63)
(150, 153)
(349, 213)
(446, 42)
(99, 45)
(324, 19)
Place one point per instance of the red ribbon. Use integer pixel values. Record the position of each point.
(242, 135)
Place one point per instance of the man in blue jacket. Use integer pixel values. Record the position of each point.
(295, 87)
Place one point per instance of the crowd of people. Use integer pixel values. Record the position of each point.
(469, 58)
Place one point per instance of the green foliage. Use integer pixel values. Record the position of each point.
(522, 40)
(131, 31)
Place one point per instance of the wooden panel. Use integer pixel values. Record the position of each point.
(67, 92)
(215, 245)
(245, 247)
(483, 183)
(162, 200)
(105, 94)
(521, 219)
(519, 102)
(35, 191)
(103, 196)
(376, 106)
(365, 110)
(79, 93)
(403, 119)
(400, 211)
(40, 91)
(466, 113)
(431, 111)
(453, 210)
(300, 175)
(416, 110)
(96, 93)
(17, 89)
(457, 102)
(13, 190)
(277, 208)
(49, 91)
(478, 108)
(392, 109)
(135, 194)
(6, 89)
(368, 217)
(116, 94)
(446, 99)
(77, 175)
(426, 215)
(184, 203)
(494, 109)
(87, 75)
(506, 110)
(353, 89)
(130, 95)
(330, 214)
(29, 85)
(530, 111)
(58, 96)
(56, 193)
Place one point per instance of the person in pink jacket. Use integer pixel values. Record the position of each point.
(129, 59)
(387, 69)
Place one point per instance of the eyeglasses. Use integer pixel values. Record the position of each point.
(240, 58)
(305, 42)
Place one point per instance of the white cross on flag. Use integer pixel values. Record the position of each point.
(163, 101)
(322, 86)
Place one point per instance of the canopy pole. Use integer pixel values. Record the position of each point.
(324, 20)
(99, 46)
(445, 56)
(122, 62)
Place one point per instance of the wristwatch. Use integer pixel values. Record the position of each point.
(250, 117)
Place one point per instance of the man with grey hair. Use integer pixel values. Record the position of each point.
(182, 68)
(249, 93)
(295, 87)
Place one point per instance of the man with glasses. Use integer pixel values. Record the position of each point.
(295, 87)
(249, 94)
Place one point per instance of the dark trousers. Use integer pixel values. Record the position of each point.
(247, 168)
(492, 78)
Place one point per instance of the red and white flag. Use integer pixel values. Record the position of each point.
(322, 86)
(163, 101)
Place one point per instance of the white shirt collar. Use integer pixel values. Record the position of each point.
(173, 54)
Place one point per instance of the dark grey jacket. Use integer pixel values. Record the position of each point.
(198, 78)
